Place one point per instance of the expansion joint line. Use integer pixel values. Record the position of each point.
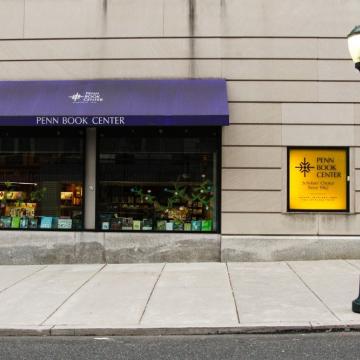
(312, 291)
(22, 279)
(233, 293)
(72, 294)
(352, 265)
(151, 293)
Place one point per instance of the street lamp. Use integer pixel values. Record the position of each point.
(354, 45)
(354, 48)
(356, 304)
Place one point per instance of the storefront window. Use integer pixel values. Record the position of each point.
(153, 179)
(41, 178)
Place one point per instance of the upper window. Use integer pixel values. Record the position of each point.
(158, 179)
(41, 178)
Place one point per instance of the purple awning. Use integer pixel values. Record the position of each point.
(113, 102)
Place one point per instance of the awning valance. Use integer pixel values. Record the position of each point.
(114, 103)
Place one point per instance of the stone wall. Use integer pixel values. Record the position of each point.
(44, 247)
(290, 83)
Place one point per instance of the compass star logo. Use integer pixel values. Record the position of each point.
(304, 167)
(86, 97)
(76, 97)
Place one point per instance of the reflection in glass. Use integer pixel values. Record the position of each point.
(158, 179)
(41, 178)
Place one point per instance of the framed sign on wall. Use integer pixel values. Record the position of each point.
(318, 179)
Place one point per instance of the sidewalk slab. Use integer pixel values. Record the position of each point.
(11, 274)
(189, 294)
(30, 302)
(116, 297)
(271, 292)
(335, 282)
(194, 275)
(179, 298)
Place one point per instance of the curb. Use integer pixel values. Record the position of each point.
(158, 331)
(26, 331)
(168, 331)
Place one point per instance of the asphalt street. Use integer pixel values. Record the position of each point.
(275, 347)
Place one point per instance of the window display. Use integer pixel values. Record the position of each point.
(153, 179)
(41, 179)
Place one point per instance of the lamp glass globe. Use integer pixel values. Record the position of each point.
(354, 44)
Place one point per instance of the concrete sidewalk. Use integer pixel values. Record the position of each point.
(194, 298)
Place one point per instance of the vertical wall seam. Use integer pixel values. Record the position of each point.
(318, 224)
(163, 18)
(191, 17)
(24, 15)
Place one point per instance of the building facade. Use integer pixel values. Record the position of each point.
(293, 95)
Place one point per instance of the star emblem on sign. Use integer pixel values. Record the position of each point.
(304, 167)
(76, 97)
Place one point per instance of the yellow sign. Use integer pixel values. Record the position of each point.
(317, 179)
